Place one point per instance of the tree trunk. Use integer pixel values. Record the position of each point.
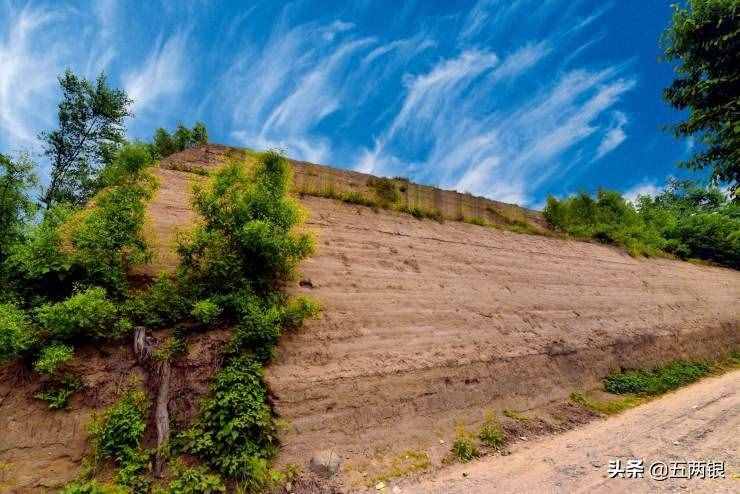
(161, 371)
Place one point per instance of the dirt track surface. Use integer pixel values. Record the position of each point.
(700, 422)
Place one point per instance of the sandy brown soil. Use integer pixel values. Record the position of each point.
(427, 325)
(700, 422)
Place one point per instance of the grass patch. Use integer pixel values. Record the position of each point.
(405, 464)
(658, 380)
(514, 415)
(491, 433)
(464, 448)
(421, 213)
(607, 407)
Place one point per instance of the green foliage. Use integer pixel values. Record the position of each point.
(107, 239)
(247, 238)
(90, 132)
(162, 304)
(52, 357)
(464, 448)
(117, 433)
(195, 480)
(206, 311)
(385, 190)
(93, 487)
(609, 218)
(298, 310)
(58, 393)
(684, 220)
(17, 177)
(490, 432)
(235, 432)
(658, 380)
(39, 268)
(421, 213)
(165, 144)
(17, 334)
(88, 313)
(704, 38)
(607, 407)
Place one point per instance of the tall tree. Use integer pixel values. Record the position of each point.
(704, 38)
(91, 130)
(17, 178)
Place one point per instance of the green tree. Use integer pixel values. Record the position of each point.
(91, 130)
(16, 207)
(704, 37)
(165, 144)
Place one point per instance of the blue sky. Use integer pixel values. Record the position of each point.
(508, 99)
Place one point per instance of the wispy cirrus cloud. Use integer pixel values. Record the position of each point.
(29, 63)
(614, 136)
(162, 76)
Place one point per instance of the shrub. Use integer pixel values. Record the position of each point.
(87, 313)
(52, 357)
(206, 311)
(58, 393)
(298, 310)
(420, 213)
(161, 304)
(235, 432)
(17, 335)
(658, 380)
(195, 480)
(93, 487)
(490, 432)
(117, 433)
(464, 448)
(247, 237)
(385, 189)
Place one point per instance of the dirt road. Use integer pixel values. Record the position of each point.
(700, 422)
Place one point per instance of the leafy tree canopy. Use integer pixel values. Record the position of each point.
(165, 144)
(704, 38)
(17, 177)
(91, 131)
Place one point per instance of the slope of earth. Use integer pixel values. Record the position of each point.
(692, 424)
(427, 325)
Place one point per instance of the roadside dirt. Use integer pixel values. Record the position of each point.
(699, 422)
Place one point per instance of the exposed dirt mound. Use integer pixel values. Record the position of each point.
(424, 325)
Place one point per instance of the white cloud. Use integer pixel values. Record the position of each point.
(29, 65)
(642, 189)
(163, 74)
(614, 136)
(335, 28)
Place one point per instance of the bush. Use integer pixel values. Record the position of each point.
(658, 380)
(52, 357)
(298, 310)
(235, 429)
(195, 480)
(246, 238)
(117, 433)
(93, 487)
(206, 311)
(490, 432)
(685, 220)
(58, 393)
(17, 335)
(464, 448)
(87, 313)
(161, 304)
(385, 189)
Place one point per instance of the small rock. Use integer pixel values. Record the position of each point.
(325, 463)
(396, 490)
(380, 486)
(306, 282)
(523, 438)
(465, 474)
(288, 486)
(441, 441)
(676, 443)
